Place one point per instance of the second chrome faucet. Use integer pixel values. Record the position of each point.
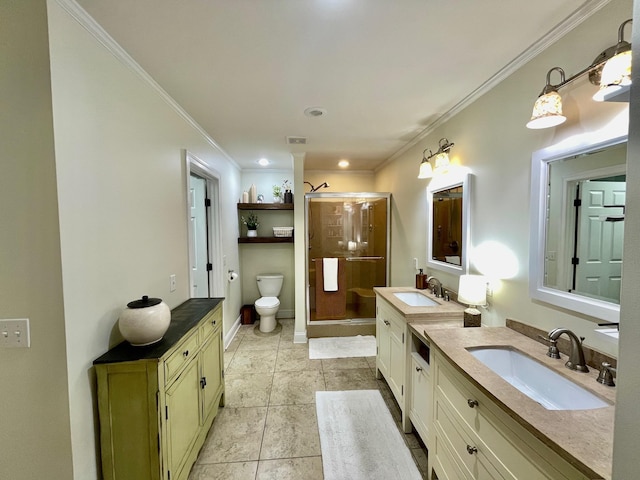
(576, 353)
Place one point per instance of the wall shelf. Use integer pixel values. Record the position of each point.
(272, 207)
(265, 240)
(265, 206)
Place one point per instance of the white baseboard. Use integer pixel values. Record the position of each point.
(300, 337)
(228, 338)
(290, 313)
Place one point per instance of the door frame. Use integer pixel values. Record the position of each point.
(196, 166)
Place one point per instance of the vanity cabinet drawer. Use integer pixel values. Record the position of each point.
(509, 449)
(182, 355)
(463, 448)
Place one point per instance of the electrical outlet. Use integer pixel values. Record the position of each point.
(415, 264)
(489, 290)
(14, 333)
(172, 283)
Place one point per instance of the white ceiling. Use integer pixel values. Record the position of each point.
(384, 70)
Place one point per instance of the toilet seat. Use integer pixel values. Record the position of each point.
(267, 302)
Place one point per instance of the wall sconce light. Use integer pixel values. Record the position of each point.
(611, 70)
(440, 160)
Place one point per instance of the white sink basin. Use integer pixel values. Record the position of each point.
(538, 382)
(415, 299)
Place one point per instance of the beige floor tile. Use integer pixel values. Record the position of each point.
(372, 362)
(236, 436)
(233, 346)
(227, 359)
(296, 388)
(420, 457)
(344, 363)
(307, 468)
(251, 341)
(253, 361)
(291, 431)
(248, 389)
(292, 359)
(225, 471)
(354, 379)
(286, 341)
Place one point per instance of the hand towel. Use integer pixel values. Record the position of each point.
(330, 274)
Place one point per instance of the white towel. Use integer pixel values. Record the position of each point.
(330, 274)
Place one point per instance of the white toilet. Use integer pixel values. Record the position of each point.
(269, 285)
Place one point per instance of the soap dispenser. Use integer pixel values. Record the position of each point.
(421, 281)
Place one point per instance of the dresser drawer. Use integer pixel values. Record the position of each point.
(181, 356)
(210, 324)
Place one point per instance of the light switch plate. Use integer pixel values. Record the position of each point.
(14, 333)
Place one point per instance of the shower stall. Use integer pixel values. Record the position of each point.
(347, 255)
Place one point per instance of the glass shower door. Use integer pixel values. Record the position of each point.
(353, 229)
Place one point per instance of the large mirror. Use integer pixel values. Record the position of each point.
(577, 226)
(448, 226)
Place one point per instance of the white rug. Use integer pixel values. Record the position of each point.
(342, 347)
(359, 439)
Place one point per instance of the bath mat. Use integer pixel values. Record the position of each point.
(359, 439)
(342, 347)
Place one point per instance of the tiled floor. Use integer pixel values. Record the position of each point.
(268, 427)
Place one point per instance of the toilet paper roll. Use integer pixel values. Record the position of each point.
(233, 276)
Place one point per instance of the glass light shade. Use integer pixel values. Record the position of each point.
(616, 73)
(472, 290)
(442, 162)
(425, 169)
(547, 111)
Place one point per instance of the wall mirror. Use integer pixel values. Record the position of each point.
(448, 224)
(577, 226)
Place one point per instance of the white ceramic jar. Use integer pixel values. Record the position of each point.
(144, 321)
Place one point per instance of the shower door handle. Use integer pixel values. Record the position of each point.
(362, 259)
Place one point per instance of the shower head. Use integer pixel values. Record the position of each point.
(315, 189)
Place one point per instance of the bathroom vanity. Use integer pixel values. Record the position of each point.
(480, 426)
(397, 353)
(157, 402)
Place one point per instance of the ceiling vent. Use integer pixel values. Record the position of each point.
(315, 112)
(297, 140)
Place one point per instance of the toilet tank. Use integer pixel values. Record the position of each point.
(270, 284)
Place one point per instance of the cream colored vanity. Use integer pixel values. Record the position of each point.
(480, 427)
(398, 358)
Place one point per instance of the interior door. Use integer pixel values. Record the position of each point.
(599, 269)
(198, 252)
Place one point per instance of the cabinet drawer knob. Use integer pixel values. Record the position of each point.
(471, 450)
(185, 353)
(386, 322)
(203, 382)
(214, 322)
(472, 403)
(418, 369)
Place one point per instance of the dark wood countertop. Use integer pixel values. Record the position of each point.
(183, 318)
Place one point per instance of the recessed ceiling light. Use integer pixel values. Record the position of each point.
(263, 162)
(315, 112)
(343, 163)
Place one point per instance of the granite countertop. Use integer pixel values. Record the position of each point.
(582, 437)
(449, 310)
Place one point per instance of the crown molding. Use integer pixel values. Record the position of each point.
(81, 16)
(555, 34)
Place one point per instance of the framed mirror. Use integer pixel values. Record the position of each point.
(577, 226)
(448, 223)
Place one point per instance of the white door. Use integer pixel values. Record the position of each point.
(599, 269)
(198, 224)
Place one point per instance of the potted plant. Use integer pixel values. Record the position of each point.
(252, 224)
(277, 194)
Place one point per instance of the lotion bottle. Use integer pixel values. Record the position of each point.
(421, 281)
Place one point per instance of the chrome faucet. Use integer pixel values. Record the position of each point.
(576, 354)
(436, 288)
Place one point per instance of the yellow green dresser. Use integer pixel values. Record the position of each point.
(156, 403)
